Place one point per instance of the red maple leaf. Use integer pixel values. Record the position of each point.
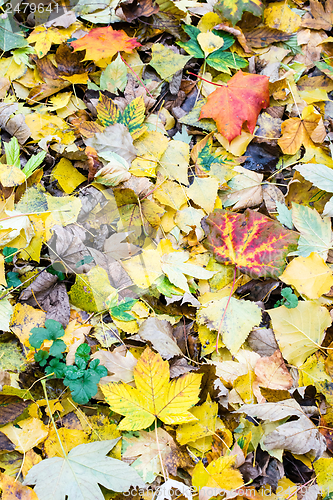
(237, 102)
(257, 245)
(100, 43)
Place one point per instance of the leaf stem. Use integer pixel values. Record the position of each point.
(159, 451)
(225, 310)
(43, 382)
(200, 78)
(137, 76)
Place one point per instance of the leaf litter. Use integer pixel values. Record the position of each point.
(166, 250)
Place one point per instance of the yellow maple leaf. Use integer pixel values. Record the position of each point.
(154, 395)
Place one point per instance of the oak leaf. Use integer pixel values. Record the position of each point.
(254, 243)
(105, 42)
(154, 396)
(239, 101)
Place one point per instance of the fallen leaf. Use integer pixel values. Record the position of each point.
(159, 333)
(299, 436)
(154, 396)
(239, 319)
(104, 42)
(309, 275)
(254, 243)
(300, 331)
(27, 434)
(298, 131)
(78, 474)
(239, 101)
(13, 489)
(272, 373)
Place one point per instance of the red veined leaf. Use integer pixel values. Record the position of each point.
(256, 244)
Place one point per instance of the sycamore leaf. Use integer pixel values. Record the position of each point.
(78, 475)
(309, 275)
(239, 101)
(240, 317)
(316, 233)
(254, 243)
(154, 396)
(301, 330)
(233, 9)
(104, 42)
(217, 476)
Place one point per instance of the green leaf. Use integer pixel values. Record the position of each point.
(8, 39)
(41, 357)
(12, 150)
(291, 299)
(83, 352)
(13, 280)
(119, 311)
(100, 370)
(86, 260)
(232, 10)
(78, 475)
(8, 253)
(83, 388)
(57, 348)
(222, 61)
(57, 367)
(52, 331)
(284, 215)
(72, 373)
(33, 163)
(316, 233)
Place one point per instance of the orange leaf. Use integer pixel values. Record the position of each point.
(104, 42)
(237, 102)
(256, 244)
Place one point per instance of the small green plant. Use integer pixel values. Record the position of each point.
(82, 377)
(289, 299)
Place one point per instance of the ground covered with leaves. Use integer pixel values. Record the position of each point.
(166, 259)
